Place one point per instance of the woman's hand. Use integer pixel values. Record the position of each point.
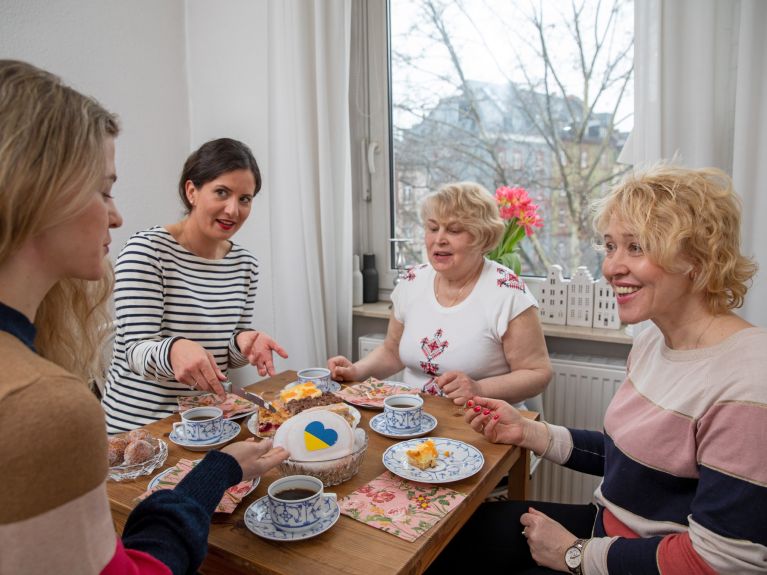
(548, 540)
(341, 369)
(457, 386)
(255, 459)
(194, 366)
(496, 420)
(258, 347)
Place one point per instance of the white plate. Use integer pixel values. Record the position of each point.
(258, 521)
(231, 429)
(157, 478)
(463, 461)
(378, 424)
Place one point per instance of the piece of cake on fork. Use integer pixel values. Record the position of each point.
(422, 456)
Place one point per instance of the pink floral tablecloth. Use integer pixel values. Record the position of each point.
(400, 507)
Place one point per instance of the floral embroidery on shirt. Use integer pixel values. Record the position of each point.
(510, 280)
(432, 348)
(408, 274)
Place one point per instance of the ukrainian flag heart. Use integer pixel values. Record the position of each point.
(317, 436)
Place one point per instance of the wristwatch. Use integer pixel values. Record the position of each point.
(574, 556)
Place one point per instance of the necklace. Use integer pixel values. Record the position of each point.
(708, 325)
(472, 277)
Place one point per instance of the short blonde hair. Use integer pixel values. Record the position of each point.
(472, 206)
(52, 141)
(687, 221)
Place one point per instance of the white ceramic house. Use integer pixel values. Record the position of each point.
(580, 298)
(605, 307)
(553, 300)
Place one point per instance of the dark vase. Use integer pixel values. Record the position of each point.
(369, 279)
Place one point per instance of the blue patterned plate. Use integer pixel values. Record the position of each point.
(231, 430)
(456, 460)
(258, 521)
(378, 424)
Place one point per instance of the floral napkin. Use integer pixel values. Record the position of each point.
(231, 406)
(372, 393)
(172, 476)
(400, 507)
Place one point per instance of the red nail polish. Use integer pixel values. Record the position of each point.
(486, 412)
(470, 403)
(496, 416)
(477, 409)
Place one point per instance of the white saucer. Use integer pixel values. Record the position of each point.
(258, 521)
(231, 430)
(378, 424)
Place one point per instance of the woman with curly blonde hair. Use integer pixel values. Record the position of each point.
(57, 169)
(684, 486)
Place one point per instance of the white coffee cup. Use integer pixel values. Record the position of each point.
(297, 502)
(402, 412)
(200, 425)
(319, 375)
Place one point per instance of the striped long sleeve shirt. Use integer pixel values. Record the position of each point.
(683, 460)
(163, 292)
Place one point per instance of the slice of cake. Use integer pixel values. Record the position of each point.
(303, 396)
(423, 455)
(269, 422)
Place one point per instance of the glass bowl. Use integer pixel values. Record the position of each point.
(331, 471)
(130, 472)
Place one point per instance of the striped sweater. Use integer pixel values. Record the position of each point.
(163, 292)
(683, 460)
(54, 510)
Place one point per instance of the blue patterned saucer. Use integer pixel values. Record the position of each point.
(456, 460)
(378, 424)
(230, 431)
(333, 386)
(257, 519)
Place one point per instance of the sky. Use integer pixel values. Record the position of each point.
(496, 43)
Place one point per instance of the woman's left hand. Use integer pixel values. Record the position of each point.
(457, 386)
(548, 540)
(258, 347)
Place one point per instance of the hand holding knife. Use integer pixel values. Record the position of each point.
(257, 399)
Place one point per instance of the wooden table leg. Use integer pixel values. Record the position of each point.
(519, 478)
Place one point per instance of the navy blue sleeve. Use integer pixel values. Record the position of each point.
(588, 454)
(172, 524)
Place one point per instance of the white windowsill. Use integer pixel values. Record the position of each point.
(381, 310)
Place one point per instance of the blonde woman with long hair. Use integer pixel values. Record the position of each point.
(56, 209)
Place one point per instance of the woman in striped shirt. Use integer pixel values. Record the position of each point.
(184, 295)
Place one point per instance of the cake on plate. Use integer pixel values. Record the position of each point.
(423, 456)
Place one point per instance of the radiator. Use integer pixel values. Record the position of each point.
(577, 396)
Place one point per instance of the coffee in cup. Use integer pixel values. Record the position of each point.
(402, 413)
(200, 425)
(297, 502)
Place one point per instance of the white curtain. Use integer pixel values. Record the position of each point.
(310, 177)
(701, 95)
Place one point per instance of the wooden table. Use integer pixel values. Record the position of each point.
(349, 546)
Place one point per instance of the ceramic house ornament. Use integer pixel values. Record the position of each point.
(605, 306)
(315, 436)
(553, 300)
(580, 298)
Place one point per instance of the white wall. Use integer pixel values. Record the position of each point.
(226, 44)
(135, 57)
(130, 57)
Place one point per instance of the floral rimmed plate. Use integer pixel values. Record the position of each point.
(258, 521)
(371, 394)
(456, 460)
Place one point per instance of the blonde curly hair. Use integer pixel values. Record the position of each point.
(52, 142)
(472, 206)
(687, 221)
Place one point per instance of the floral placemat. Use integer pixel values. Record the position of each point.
(372, 392)
(400, 507)
(232, 406)
(172, 476)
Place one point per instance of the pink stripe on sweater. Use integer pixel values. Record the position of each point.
(656, 437)
(132, 562)
(730, 437)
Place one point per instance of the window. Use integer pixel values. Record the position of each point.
(448, 90)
